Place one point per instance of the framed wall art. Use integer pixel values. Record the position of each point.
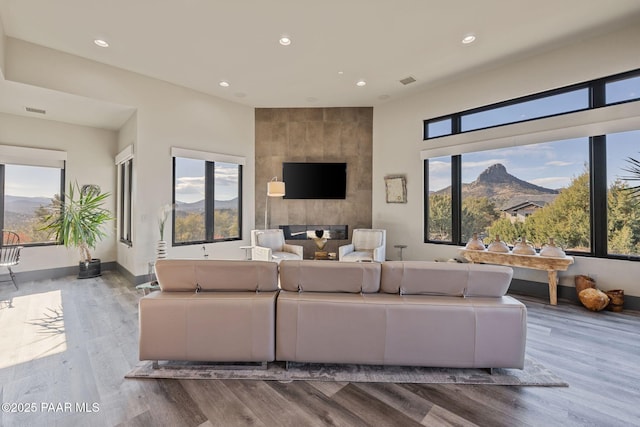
(396, 188)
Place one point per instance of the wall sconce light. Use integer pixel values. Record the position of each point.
(275, 188)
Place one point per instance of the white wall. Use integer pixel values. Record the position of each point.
(167, 115)
(90, 153)
(397, 141)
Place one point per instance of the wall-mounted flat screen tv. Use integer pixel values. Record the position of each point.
(314, 180)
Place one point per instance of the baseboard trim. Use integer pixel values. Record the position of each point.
(56, 273)
(566, 293)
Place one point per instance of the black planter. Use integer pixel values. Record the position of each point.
(87, 270)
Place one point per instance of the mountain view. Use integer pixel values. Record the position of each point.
(24, 215)
(496, 184)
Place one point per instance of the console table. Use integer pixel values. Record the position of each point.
(536, 262)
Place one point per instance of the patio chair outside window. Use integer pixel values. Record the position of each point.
(10, 253)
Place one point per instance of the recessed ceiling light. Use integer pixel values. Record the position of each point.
(469, 38)
(101, 43)
(361, 83)
(285, 41)
(340, 73)
(224, 83)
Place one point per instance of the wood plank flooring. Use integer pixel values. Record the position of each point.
(70, 342)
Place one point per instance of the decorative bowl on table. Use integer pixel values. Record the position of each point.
(551, 250)
(498, 246)
(475, 244)
(523, 248)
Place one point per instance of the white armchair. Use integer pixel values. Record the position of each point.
(269, 245)
(366, 245)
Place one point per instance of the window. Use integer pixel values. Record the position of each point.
(125, 201)
(623, 220)
(207, 200)
(439, 205)
(124, 163)
(545, 106)
(621, 90)
(438, 128)
(593, 94)
(547, 184)
(520, 184)
(27, 194)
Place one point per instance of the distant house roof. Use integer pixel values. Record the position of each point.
(518, 203)
(525, 204)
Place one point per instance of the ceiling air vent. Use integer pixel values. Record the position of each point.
(407, 80)
(35, 110)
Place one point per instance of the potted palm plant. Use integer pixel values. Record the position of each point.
(78, 222)
(634, 170)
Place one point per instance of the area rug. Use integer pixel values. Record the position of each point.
(533, 374)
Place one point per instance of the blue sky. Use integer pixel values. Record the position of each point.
(551, 165)
(190, 180)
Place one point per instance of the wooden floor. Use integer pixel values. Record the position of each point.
(65, 346)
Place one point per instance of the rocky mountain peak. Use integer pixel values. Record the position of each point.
(495, 174)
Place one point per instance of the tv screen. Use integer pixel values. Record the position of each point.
(314, 180)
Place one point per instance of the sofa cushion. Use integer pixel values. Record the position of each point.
(216, 275)
(329, 276)
(451, 279)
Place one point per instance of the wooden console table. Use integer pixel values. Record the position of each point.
(536, 262)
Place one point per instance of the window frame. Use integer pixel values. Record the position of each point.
(125, 198)
(2, 195)
(209, 201)
(596, 95)
(597, 169)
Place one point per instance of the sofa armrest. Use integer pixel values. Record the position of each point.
(379, 254)
(260, 253)
(343, 250)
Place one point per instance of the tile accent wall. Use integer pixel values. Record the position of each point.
(315, 135)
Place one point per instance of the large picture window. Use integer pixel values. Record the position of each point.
(573, 190)
(533, 191)
(28, 192)
(207, 199)
(623, 221)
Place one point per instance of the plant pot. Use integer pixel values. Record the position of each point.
(87, 270)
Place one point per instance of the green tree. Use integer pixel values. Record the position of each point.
(189, 227)
(623, 220)
(478, 213)
(509, 232)
(566, 219)
(439, 227)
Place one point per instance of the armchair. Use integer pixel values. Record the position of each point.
(269, 245)
(366, 245)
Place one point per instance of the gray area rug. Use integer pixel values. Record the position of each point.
(533, 374)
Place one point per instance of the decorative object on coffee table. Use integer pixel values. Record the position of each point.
(475, 244)
(593, 299)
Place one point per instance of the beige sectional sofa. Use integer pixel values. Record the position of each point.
(392, 313)
(210, 310)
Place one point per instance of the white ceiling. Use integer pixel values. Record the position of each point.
(198, 43)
